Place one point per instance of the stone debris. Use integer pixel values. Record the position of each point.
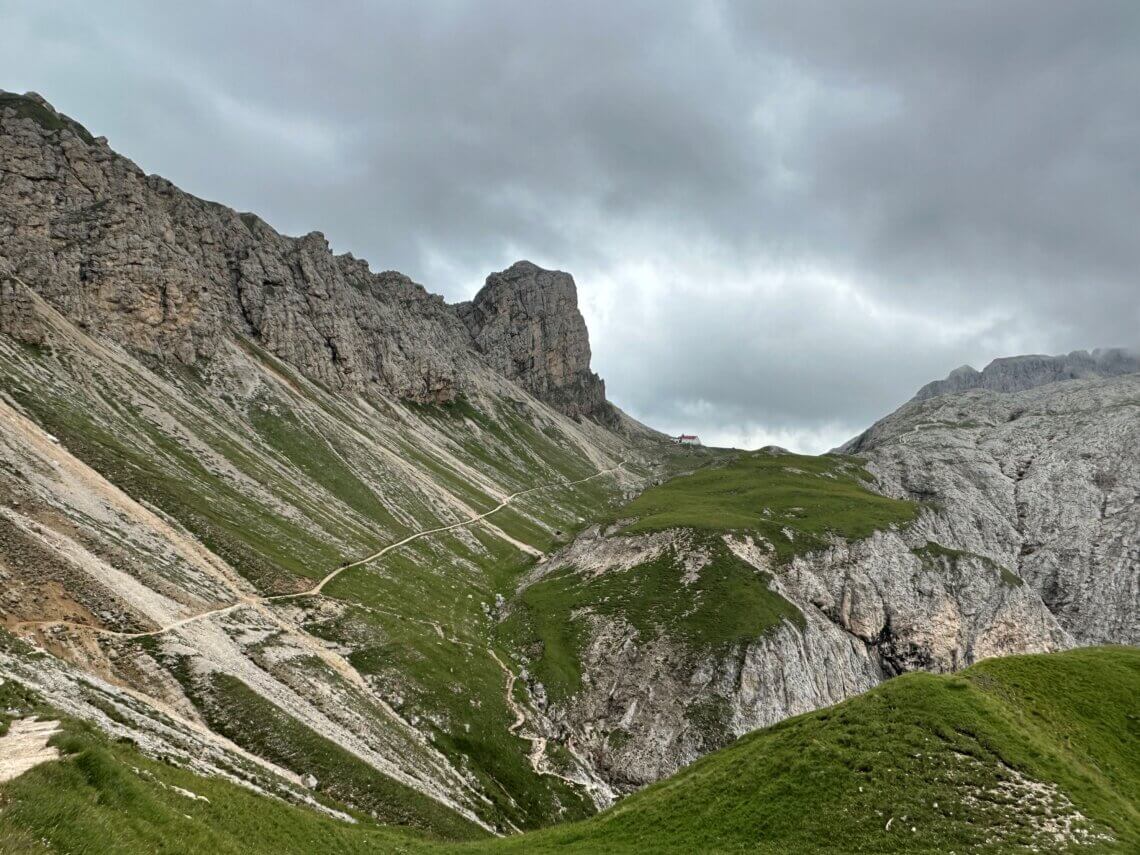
(25, 746)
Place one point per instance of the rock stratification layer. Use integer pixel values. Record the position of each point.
(526, 323)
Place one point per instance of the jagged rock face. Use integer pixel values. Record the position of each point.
(872, 609)
(133, 258)
(525, 321)
(1043, 482)
(1018, 373)
(1028, 540)
(917, 607)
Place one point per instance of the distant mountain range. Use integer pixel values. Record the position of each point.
(1018, 373)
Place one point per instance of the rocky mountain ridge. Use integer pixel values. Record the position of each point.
(526, 323)
(131, 257)
(260, 490)
(1018, 373)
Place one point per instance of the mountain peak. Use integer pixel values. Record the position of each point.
(526, 323)
(32, 105)
(1018, 373)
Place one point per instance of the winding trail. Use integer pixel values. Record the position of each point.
(537, 743)
(317, 589)
(537, 754)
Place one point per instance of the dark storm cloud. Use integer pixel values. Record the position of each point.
(783, 218)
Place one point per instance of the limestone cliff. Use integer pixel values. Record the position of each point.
(131, 257)
(1027, 540)
(1043, 482)
(525, 321)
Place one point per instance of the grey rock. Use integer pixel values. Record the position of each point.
(1018, 373)
(1028, 540)
(526, 323)
(1044, 482)
(872, 609)
(131, 257)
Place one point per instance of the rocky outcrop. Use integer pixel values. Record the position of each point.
(133, 258)
(871, 609)
(1018, 373)
(525, 321)
(1027, 540)
(1043, 482)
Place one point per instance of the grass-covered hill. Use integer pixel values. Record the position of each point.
(1011, 754)
(768, 492)
(1022, 754)
(791, 503)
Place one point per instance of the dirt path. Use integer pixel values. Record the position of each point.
(25, 746)
(537, 754)
(538, 743)
(319, 587)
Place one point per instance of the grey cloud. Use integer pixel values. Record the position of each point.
(925, 183)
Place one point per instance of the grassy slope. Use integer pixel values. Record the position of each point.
(919, 746)
(765, 493)
(107, 798)
(315, 454)
(757, 493)
(829, 780)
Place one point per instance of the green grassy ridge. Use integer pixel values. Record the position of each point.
(729, 604)
(828, 781)
(824, 782)
(766, 492)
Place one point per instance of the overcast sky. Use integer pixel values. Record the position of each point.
(783, 218)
